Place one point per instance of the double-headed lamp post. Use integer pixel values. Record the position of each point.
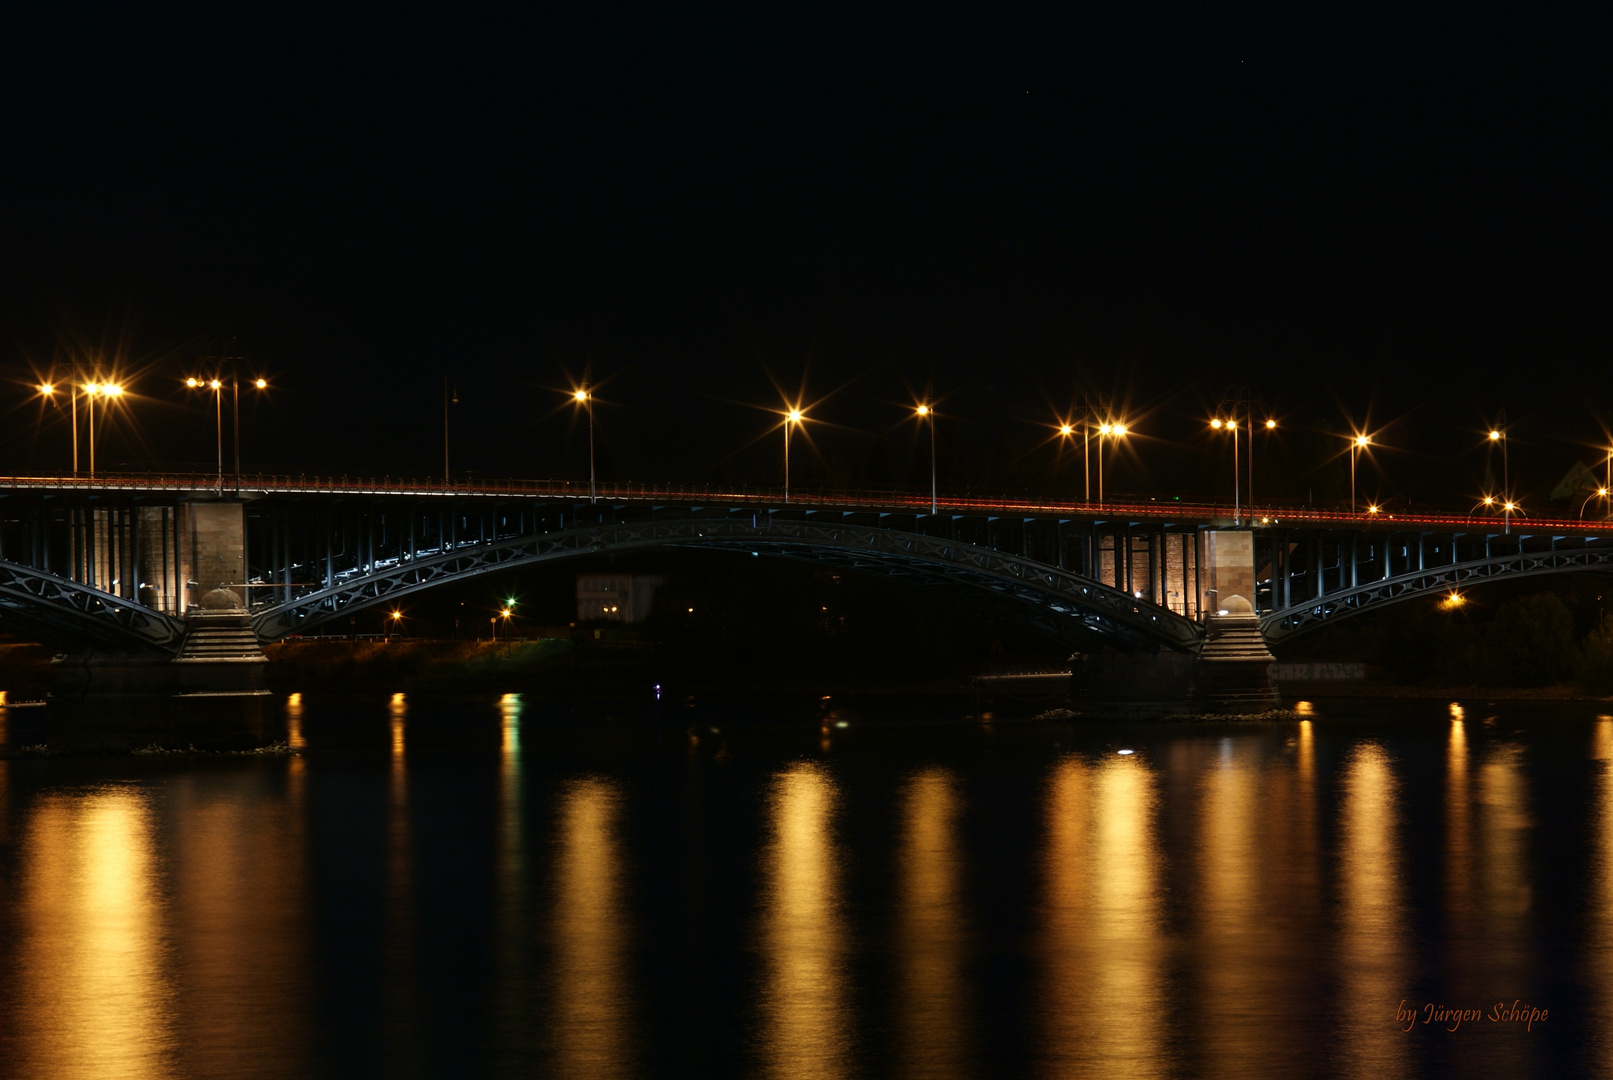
(791, 418)
(217, 386)
(94, 390)
(1231, 424)
(924, 412)
(586, 400)
(1106, 431)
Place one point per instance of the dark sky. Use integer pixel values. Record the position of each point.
(1368, 214)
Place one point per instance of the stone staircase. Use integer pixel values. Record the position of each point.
(222, 637)
(1234, 668)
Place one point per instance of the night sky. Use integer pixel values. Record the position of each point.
(1368, 215)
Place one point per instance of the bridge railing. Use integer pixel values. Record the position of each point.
(1271, 514)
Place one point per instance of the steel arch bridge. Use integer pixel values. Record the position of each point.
(104, 564)
(1451, 579)
(1064, 604)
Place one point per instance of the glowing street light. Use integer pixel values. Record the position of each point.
(1233, 399)
(48, 392)
(217, 386)
(1106, 431)
(92, 391)
(1601, 493)
(582, 397)
(231, 357)
(792, 417)
(924, 412)
(1357, 444)
(1498, 434)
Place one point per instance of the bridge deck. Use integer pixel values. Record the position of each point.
(191, 485)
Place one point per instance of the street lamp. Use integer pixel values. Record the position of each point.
(1498, 434)
(1357, 444)
(924, 412)
(92, 391)
(792, 417)
(217, 386)
(1106, 431)
(1232, 425)
(1601, 493)
(48, 392)
(586, 400)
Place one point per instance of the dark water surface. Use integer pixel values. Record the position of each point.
(493, 888)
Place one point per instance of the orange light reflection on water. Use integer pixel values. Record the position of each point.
(1104, 949)
(805, 1020)
(591, 1021)
(1372, 934)
(932, 930)
(92, 942)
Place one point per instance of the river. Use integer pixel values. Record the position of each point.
(499, 887)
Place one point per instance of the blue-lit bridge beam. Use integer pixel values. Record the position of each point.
(1065, 603)
(1309, 581)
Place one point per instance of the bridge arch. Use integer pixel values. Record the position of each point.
(56, 609)
(1064, 604)
(1454, 577)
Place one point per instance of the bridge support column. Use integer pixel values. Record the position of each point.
(1228, 560)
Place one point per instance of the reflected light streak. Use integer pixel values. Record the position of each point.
(1458, 829)
(398, 711)
(1600, 900)
(1234, 923)
(402, 1002)
(806, 1024)
(1102, 910)
(1372, 966)
(92, 962)
(932, 930)
(591, 1003)
(1503, 804)
(294, 738)
(512, 927)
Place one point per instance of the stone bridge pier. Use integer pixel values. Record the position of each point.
(187, 561)
(1231, 671)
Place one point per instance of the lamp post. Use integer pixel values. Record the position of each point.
(583, 398)
(1498, 434)
(1601, 493)
(1357, 444)
(1106, 431)
(791, 418)
(924, 412)
(1067, 431)
(92, 390)
(235, 394)
(217, 386)
(1232, 425)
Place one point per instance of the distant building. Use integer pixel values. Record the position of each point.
(615, 597)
